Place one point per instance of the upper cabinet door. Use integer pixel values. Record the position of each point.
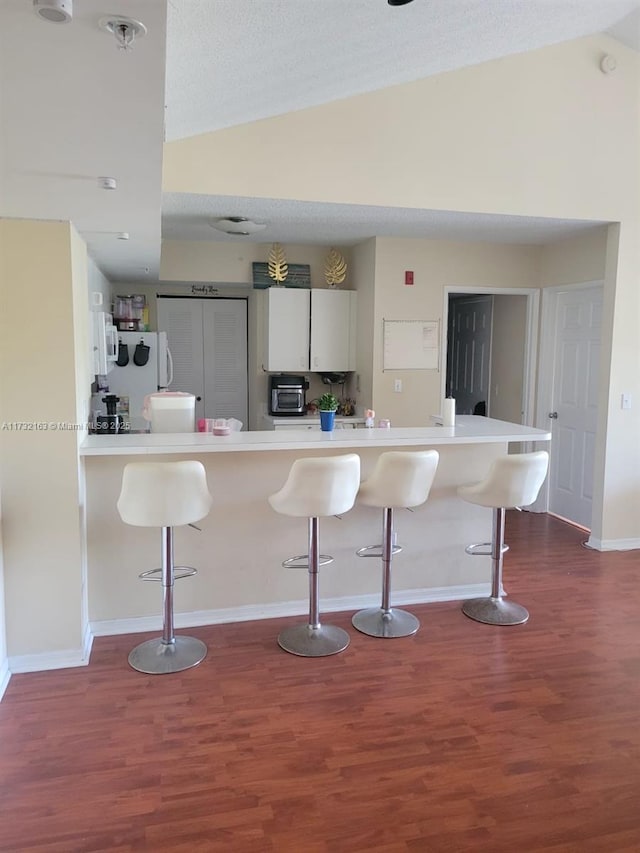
(286, 329)
(333, 330)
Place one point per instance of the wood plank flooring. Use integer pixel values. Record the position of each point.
(465, 737)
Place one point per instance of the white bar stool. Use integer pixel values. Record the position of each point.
(165, 494)
(399, 479)
(316, 487)
(513, 481)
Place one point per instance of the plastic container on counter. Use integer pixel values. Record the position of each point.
(170, 411)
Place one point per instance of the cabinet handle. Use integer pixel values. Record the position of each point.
(553, 415)
(198, 399)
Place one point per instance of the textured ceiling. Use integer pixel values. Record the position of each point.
(75, 108)
(235, 61)
(187, 217)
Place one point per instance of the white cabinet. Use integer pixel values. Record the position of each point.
(333, 330)
(309, 330)
(286, 329)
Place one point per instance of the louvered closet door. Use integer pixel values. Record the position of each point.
(181, 319)
(225, 358)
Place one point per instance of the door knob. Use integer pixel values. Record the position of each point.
(553, 415)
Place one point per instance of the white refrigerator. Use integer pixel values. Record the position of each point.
(134, 380)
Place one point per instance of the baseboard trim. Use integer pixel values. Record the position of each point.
(613, 544)
(251, 612)
(5, 675)
(64, 659)
(69, 658)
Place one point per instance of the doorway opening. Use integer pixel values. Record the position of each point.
(491, 347)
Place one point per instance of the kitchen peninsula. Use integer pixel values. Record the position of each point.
(242, 543)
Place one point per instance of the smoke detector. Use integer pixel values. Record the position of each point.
(54, 11)
(124, 30)
(238, 225)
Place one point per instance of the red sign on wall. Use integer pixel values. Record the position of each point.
(408, 277)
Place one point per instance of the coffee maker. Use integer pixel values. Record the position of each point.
(111, 423)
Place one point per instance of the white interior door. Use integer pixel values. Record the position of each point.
(573, 404)
(225, 359)
(181, 319)
(469, 352)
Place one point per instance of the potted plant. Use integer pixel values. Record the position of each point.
(327, 404)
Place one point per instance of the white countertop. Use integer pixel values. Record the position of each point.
(469, 429)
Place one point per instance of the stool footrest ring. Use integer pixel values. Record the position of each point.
(179, 572)
(483, 549)
(302, 561)
(376, 550)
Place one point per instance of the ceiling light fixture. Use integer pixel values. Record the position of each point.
(54, 11)
(398, 2)
(107, 183)
(125, 30)
(239, 226)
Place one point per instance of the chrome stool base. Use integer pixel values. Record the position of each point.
(495, 611)
(155, 657)
(393, 623)
(309, 642)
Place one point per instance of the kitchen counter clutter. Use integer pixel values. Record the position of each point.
(469, 429)
(309, 421)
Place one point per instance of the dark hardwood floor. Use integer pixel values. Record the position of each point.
(465, 737)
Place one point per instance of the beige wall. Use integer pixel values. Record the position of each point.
(364, 272)
(231, 263)
(44, 379)
(576, 260)
(544, 133)
(3, 631)
(507, 357)
(436, 264)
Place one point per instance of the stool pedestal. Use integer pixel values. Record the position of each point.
(385, 621)
(167, 653)
(313, 639)
(495, 610)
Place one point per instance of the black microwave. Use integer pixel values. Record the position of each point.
(287, 394)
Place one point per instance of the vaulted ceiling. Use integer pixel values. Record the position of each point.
(75, 108)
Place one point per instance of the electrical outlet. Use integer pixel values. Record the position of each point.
(397, 385)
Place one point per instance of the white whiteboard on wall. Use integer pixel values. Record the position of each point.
(411, 345)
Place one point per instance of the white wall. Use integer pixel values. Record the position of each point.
(98, 283)
(544, 134)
